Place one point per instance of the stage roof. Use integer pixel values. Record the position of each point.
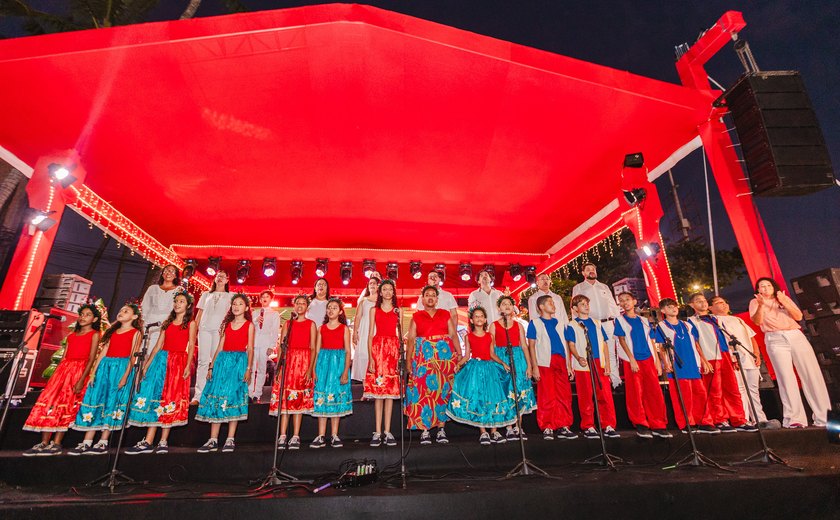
(338, 129)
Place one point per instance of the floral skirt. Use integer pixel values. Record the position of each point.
(58, 403)
(527, 399)
(297, 392)
(480, 395)
(163, 398)
(430, 385)
(225, 397)
(103, 406)
(332, 399)
(385, 382)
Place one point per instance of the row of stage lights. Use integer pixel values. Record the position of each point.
(269, 269)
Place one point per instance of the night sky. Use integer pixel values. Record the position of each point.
(784, 35)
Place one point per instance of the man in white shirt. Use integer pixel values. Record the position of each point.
(266, 330)
(543, 289)
(486, 297)
(445, 299)
(602, 308)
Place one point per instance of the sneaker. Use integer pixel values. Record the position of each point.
(441, 437)
(590, 433)
(281, 442)
(707, 429)
(548, 434)
(484, 439)
(725, 428)
(162, 448)
(52, 449)
(497, 438)
(81, 449)
(294, 443)
(389, 439)
(610, 432)
(376, 440)
(520, 434)
(425, 438)
(510, 434)
(335, 442)
(318, 442)
(140, 447)
(747, 428)
(565, 433)
(229, 446)
(796, 425)
(35, 451)
(100, 448)
(661, 433)
(211, 445)
(644, 432)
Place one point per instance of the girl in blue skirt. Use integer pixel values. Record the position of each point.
(106, 397)
(481, 385)
(332, 382)
(225, 398)
(507, 329)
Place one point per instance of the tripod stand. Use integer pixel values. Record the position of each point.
(115, 477)
(695, 458)
(403, 369)
(525, 466)
(276, 477)
(604, 458)
(765, 455)
(17, 360)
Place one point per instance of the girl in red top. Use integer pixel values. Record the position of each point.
(382, 381)
(164, 396)
(302, 335)
(59, 401)
(225, 398)
(333, 398)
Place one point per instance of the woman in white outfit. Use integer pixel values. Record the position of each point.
(212, 309)
(361, 328)
(788, 348)
(158, 300)
(318, 304)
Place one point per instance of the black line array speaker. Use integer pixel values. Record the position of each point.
(781, 140)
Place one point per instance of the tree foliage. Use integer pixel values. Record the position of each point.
(691, 266)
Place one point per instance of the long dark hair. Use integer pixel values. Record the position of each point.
(185, 322)
(213, 283)
(342, 318)
(229, 316)
(773, 282)
(97, 317)
(314, 293)
(393, 298)
(367, 285)
(136, 323)
(177, 274)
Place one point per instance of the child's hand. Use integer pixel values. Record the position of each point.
(122, 381)
(372, 366)
(210, 373)
(78, 387)
(507, 368)
(343, 379)
(187, 372)
(634, 365)
(528, 373)
(536, 376)
(247, 377)
(307, 377)
(581, 361)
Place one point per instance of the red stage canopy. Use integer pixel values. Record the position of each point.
(343, 127)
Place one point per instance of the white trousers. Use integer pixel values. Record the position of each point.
(789, 349)
(208, 340)
(753, 377)
(612, 347)
(258, 373)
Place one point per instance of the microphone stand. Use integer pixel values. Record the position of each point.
(695, 458)
(276, 477)
(17, 359)
(403, 370)
(525, 466)
(604, 458)
(115, 477)
(765, 455)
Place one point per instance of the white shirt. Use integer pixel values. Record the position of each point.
(316, 312)
(743, 333)
(560, 307)
(215, 306)
(708, 338)
(445, 301)
(602, 303)
(157, 304)
(479, 298)
(268, 333)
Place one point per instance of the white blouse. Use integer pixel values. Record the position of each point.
(215, 306)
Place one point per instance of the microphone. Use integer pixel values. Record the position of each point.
(150, 325)
(49, 316)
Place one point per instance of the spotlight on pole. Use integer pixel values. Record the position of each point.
(440, 269)
(634, 160)
(392, 271)
(465, 270)
(213, 264)
(346, 272)
(368, 267)
(41, 219)
(531, 275)
(296, 271)
(321, 267)
(635, 197)
(515, 272)
(269, 267)
(648, 251)
(416, 269)
(61, 174)
(242, 271)
(189, 270)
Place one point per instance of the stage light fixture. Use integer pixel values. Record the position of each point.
(242, 271)
(189, 270)
(296, 271)
(648, 251)
(61, 174)
(213, 264)
(321, 267)
(515, 272)
(531, 275)
(416, 269)
(269, 266)
(368, 267)
(465, 271)
(392, 271)
(440, 269)
(634, 160)
(346, 272)
(41, 219)
(635, 197)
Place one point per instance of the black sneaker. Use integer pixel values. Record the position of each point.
(376, 440)
(441, 437)
(661, 433)
(318, 442)
(425, 438)
(643, 432)
(162, 448)
(484, 439)
(294, 443)
(725, 428)
(705, 428)
(566, 434)
(211, 445)
(390, 440)
(610, 432)
(52, 449)
(281, 442)
(229, 446)
(35, 451)
(335, 442)
(140, 447)
(81, 449)
(497, 438)
(100, 448)
(510, 434)
(590, 433)
(747, 428)
(548, 434)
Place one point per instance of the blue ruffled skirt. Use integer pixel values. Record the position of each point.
(480, 395)
(146, 402)
(527, 400)
(332, 399)
(225, 398)
(104, 404)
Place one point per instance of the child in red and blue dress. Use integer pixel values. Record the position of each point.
(333, 398)
(302, 335)
(106, 396)
(164, 396)
(482, 384)
(505, 329)
(60, 400)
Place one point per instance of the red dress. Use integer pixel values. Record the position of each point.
(432, 370)
(296, 390)
(58, 403)
(384, 382)
(175, 398)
